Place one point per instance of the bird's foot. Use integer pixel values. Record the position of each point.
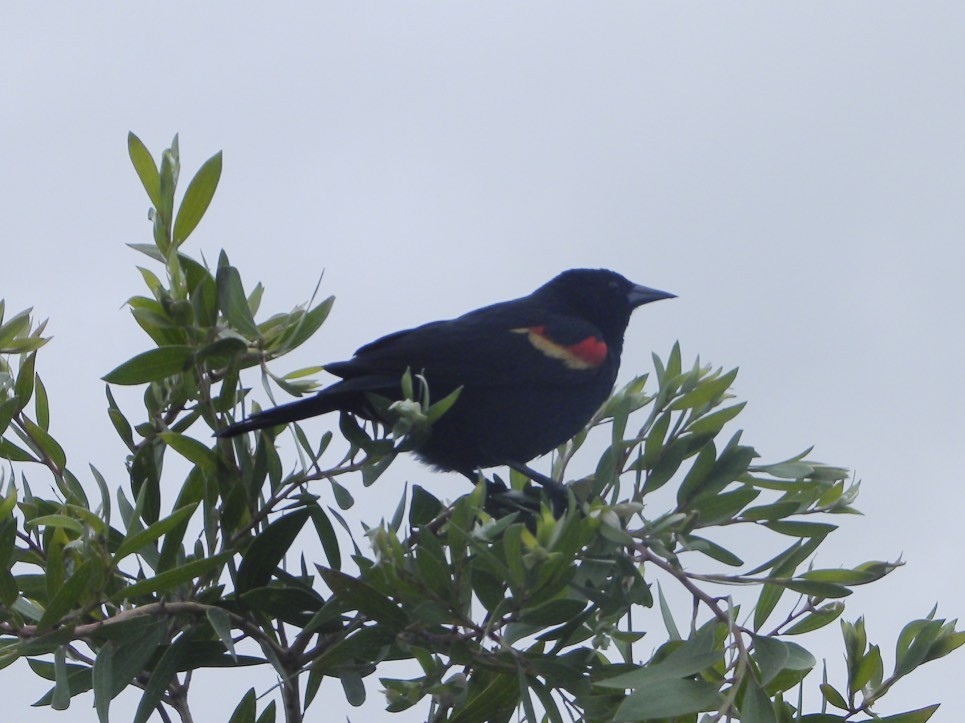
(555, 491)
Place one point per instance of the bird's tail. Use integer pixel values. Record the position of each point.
(284, 414)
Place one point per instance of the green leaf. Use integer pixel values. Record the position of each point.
(756, 706)
(653, 445)
(326, 535)
(246, 708)
(707, 392)
(712, 550)
(7, 504)
(44, 644)
(168, 176)
(766, 602)
(232, 300)
(817, 589)
(832, 696)
(374, 467)
(434, 412)
(871, 668)
(343, 498)
(488, 588)
(103, 680)
(842, 576)
(67, 597)
(553, 612)
(135, 542)
(432, 564)
(914, 642)
(697, 474)
(771, 656)
(71, 680)
(667, 614)
(172, 660)
(670, 459)
(152, 366)
(8, 409)
(948, 641)
(791, 469)
(42, 405)
(669, 699)
(197, 197)
(61, 697)
(222, 352)
(63, 521)
(795, 528)
(121, 425)
(713, 509)
(145, 168)
(171, 578)
(674, 363)
(423, 508)
(818, 619)
(794, 672)
(192, 450)
(363, 597)
(790, 558)
(24, 386)
(695, 655)
(713, 423)
(307, 325)
(915, 716)
(494, 700)
(15, 327)
(268, 714)
(46, 444)
(135, 642)
(221, 624)
(513, 554)
(268, 549)
(25, 344)
(773, 511)
(353, 687)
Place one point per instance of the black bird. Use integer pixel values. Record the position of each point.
(533, 371)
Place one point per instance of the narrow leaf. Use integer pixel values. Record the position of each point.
(171, 661)
(151, 366)
(67, 597)
(233, 302)
(364, 598)
(171, 578)
(103, 677)
(197, 197)
(192, 450)
(267, 550)
(133, 543)
(221, 623)
(145, 168)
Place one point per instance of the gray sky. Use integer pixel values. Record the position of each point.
(793, 171)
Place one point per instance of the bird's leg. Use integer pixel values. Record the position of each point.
(555, 490)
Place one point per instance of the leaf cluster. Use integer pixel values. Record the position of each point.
(501, 610)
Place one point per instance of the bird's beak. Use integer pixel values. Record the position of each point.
(640, 295)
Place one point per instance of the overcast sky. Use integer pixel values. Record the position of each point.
(793, 171)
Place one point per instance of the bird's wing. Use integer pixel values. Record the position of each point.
(491, 347)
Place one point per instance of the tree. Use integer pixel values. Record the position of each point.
(502, 611)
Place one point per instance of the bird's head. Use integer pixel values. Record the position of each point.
(603, 297)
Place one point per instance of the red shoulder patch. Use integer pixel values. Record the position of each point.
(591, 350)
(588, 353)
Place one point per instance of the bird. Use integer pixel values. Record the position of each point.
(531, 373)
